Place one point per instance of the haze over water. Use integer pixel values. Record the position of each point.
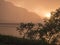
(9, 29)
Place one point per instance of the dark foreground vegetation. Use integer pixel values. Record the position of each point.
(9, 40)
(48, 32)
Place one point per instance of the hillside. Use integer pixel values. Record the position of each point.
(9, 13)
(9, 40)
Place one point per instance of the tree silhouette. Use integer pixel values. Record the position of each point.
(52, 26)
(47, 32)
(25, 28)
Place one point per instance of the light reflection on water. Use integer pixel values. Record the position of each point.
(9, 30)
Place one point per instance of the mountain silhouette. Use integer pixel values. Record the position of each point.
(9, 13)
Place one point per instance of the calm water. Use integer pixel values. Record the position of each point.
(9, 29)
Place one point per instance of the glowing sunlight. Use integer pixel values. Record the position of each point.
(48, 15)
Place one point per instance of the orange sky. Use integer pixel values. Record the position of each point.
(26, 10)
(38, 6)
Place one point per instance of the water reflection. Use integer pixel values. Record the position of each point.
(9, 29)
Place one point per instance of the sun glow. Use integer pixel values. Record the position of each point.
(48, 15)
(42, 13)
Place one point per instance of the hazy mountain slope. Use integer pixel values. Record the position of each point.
(12, 14)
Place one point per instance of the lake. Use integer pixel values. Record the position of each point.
(9, 29)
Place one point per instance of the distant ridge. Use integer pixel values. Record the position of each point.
(9, 23)
(9, 13)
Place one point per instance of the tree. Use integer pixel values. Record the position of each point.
(52, 26)
(47, 32)
(24, 29)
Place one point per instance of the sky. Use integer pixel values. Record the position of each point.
(26, 10)
(41, 7)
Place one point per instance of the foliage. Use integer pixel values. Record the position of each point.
(10, 40)
(29, 30)
(52, 27)
(47, 32)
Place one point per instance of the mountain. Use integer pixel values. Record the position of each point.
(9, 13)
